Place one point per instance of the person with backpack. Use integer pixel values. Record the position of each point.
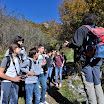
(85, 42)
(22, 56)
(42, 79)
(9, 71)
(64, 67)
(32, 67)
(58, 64)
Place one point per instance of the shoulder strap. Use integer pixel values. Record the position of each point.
(89, 27)
(14, 64)
(30, 64)
(8, 63)
(61, 59)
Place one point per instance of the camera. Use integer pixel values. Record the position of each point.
(22, 76)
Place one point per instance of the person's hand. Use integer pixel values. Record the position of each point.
(46, 71)
(31, 74)
(65, 44)
(62, 65)
(27, 75)
(16, 79)
(44, 62)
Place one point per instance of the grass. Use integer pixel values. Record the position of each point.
(1, 57)
(68, 93)
(69, 54)
(21, 100)
(65, 91)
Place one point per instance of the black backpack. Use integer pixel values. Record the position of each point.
(8, 63)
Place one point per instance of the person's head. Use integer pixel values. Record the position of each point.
(33, 52)
(14, 49)
(89, 19)
(58, 53)
(41, 49)
(53, 52)
(45, 51)
(49, 53)
(19, 40)
(62, 53)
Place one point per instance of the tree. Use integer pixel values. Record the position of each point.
(72, 12)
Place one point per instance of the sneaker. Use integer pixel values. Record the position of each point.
(59, 84)
(45, 102)
(41, 103)
(56, 84)
(45, 95)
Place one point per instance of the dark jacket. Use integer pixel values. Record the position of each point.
(79, 42)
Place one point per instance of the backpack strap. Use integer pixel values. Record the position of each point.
(14, 64)
(61, 59)
(30, 64)
(8, 63)
(89, 27)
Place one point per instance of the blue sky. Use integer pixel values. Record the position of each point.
(35, 10)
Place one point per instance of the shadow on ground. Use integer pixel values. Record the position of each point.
(56, 95)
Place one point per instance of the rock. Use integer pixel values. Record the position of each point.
(75, 78)
(80, 86)
(71, 86)
(70, 81)
(82, 99)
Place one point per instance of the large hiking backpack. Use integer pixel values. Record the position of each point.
(95, 42)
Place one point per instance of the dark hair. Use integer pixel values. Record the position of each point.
(12, 47)
(18, 38)
(89, 19)
(40, 45)
(49, 51)
(32, 52)
(45, 51)
(62, 53)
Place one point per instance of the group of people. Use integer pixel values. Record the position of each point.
(38, 67)
(35, 69)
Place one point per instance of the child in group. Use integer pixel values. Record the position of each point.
(49, 65)
(58, 64)
(32, 67)
(9, 71)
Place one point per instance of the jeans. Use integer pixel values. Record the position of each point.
(30, 88)
(58, 70)
(49, 73)
(9, 90)
(42, 81)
